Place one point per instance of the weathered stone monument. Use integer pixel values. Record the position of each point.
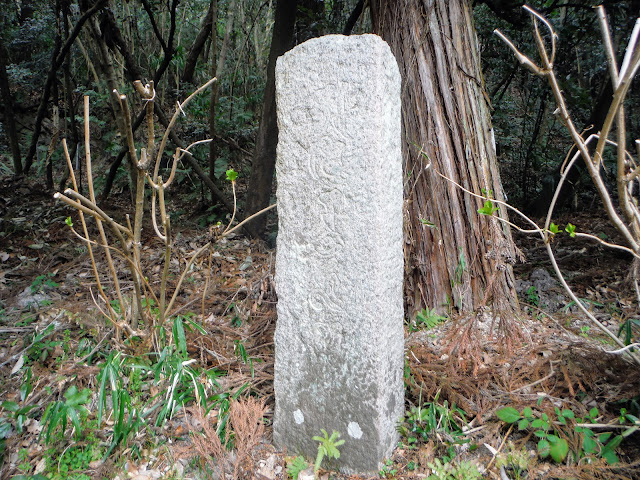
(339, 265)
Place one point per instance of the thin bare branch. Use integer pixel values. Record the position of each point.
(179, 108)
(521, 57)
(632, 52)
(608, 44)
(251, 217)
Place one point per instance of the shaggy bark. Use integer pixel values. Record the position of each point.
(455, 257)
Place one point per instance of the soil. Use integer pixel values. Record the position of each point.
(551, 357)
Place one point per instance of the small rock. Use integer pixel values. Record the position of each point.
(306, 474)
(246, 264)
(268, 467)
(27, 299)
(41, 466)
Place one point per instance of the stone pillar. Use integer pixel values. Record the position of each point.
(339, 266)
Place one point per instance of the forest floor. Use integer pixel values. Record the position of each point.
(54, 342)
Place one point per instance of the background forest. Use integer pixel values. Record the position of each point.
(47, 65)
(88, 398)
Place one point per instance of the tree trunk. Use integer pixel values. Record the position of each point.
(456, 259)
(57, 57)
(196, 49)
(212, 97)
(265, 153)
(9, 120)
(70, 113)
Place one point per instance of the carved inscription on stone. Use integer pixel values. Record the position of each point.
(339, 265)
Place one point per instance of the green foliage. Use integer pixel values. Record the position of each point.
(388, 470)
(516, 461)
(23, 458)
(73, 461)
(5, 432)
(585, 301)
(295, 466)
(19, 414)
(72, 410)
(26, 387)
(40, 346)
(179, 337)
(126, 416)
(426, 320)
(453, 471)
(327, 447)
(434, 420)
(43, 282)
(553, 433)
(532, 295)
(428, 223)
(570, 229)
(458, 278)
(548, 443)
(627, 328)
(488, 208)
(232, 175)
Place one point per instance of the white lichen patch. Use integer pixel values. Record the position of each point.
(354, 430)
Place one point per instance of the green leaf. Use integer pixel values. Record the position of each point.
(559, 450)
(593, 413)
(540, 434)
(20, 423)
(603, 437)
(189, 322)
(527, 412)
(5, 428)
(26, 387)
(232, 175)
(488, 208)
(75, 398)
(543, 448)
(566, 413)
(68, 221)
(10, 406)
(296, 466)
(508, 414)
(75, 420)
(553, 228)
(615, 442)
(570, 229)
(537, 423)
(428, 223)
(523, 424)
(610, 457)
(589, 445)
(179, 337)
